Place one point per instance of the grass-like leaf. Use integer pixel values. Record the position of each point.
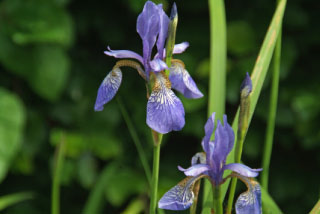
(258, 76)
(9, 200)
(217, 82)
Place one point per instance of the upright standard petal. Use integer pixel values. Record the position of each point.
(250, 201)
(123, 54)
(108, 88)
(182, 81)
(148, 25)
(180, 197)
(242, 169)
(163, 30)
(208, 130)
(165, 111)
(230, 133)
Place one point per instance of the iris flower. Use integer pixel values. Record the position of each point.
(165, 111)
(212, 165)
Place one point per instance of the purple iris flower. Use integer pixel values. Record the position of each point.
(212, 165)
(165, 111)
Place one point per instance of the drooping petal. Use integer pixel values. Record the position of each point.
(163, 31)
(195, 170)
(108, 88)
(180, 197)
(199, 157)
(182, 81)
(148, 28)
(242, 169)
(208, 129)
(250, 201)
(123, 54)
(180, 48)
(165, 111)
(158, 65)
(177, 49)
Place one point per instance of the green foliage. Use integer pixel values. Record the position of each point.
(12, 121)
(9, 200)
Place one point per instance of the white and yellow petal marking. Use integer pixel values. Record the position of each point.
(165, 111)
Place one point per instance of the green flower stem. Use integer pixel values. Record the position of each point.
(242, 130)
(135, 138)
(157, 138)
(272, 113)
(55, 194)
(217, 202)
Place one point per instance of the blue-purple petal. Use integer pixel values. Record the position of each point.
(230, 133)
(108, 88)
(195, 170)
(158, 65)
(123, 54)
(180, 197)
(163, 31)
(208, 130)
(199, 157)
(148, 28)
(250, 201)
(165, 111)
(242, 169)
(180, 48)
(183, 82)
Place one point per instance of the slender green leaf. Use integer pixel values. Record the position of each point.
(9, 200)
(316, 208)
(258, 76)
(217, 81)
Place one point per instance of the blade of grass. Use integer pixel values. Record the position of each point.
(9, 200)
(258, 76)
(217, 81)
(97, 195)
(136, 140)
(272, 113)
(55, 194)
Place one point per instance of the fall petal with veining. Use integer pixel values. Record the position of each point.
(108, 88)
(165, 111)
(183, 82)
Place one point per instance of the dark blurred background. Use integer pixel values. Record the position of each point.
(52, 63)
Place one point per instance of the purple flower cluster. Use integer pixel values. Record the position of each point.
(165, 111)
(212, 166)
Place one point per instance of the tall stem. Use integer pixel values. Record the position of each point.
(136, 140)
(217, 203)
(55, 194)
(157, 138)
(272, 113)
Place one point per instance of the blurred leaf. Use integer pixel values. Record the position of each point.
(9, 200)
(122, 183)
(136, 206)
(103, 145)
(12, 119)
(203, 68)
(87, 171)
(268, 205)
(241, 38)
(36, 21)
(50, 72)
